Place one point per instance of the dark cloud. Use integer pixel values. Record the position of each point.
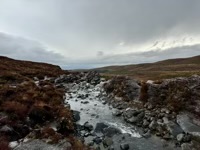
(20, 48)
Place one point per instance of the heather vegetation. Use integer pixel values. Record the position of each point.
(29, 102)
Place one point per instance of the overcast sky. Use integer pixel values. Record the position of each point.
(93, 33)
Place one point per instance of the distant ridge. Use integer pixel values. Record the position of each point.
(190, 60)
(159, 70)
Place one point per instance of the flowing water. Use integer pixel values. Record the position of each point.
(90, 101)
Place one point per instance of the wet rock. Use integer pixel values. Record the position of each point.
(107, 141)
(124, 146)
(87, 134)
(40, 145)
(6, 129)
(147, 134)
(111, 148)
(104, 102)
(174, 128)
(76, 115)
(97, 140)
(165, 110)
(15, 132)
(149, 106)
(145, 123)
(133, 120)
(117, 113)
(100, 127)
(79, 127)
(185, 146)
(122, 106)
(141, 115)
(93, 77)
(93, 115)
(84, 102)
(180, 137)
(167, 136)
(98, 148)
(187, 138)
(187, 125)
(160, 121)
(111, 131)
(165, 120)
(130, 112)
(90, 143)
(88, 126)
(13, 144)
(153, 125)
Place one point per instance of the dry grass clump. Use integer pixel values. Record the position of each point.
(16, 108)
(49, 133)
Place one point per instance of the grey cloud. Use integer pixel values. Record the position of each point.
(140, 57)
(25, 49)
(100, 53)
(82, 27)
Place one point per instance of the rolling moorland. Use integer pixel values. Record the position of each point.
(45, 107)
(154, 71)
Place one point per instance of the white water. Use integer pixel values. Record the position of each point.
(94, 111)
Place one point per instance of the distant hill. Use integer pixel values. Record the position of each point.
(158, 70)
(11, 69)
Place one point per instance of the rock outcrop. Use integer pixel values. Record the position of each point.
(124, 87)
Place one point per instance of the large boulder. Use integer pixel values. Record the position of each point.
(124, 87)
(187, 124)
(93, 77)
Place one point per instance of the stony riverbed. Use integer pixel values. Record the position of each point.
(99, 124)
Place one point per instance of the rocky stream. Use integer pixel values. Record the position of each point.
(106, 119)
(100, 125)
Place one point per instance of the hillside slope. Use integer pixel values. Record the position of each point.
(13, 70)
(30, 102)
(158, 70)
